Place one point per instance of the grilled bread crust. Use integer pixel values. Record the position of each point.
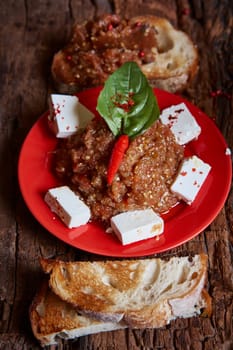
(53, 319)
(141, 293)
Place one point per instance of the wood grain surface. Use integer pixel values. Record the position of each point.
(31, 32)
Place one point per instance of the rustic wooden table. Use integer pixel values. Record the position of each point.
(31, 32)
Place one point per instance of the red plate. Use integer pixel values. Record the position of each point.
(182, 223)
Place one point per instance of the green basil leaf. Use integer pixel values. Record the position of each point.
(127, 101)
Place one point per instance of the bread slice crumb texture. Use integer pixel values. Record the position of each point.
(134, 290)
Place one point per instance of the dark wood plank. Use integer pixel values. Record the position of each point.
(31, 32)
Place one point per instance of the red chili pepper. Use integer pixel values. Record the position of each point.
(186, 11)
(110, 27)
(118, 152)
(141, 54)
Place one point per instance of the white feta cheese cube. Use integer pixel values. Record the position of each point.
(181, 122)
(136, 225)
(67, 115)
(67, 205)
(191, 176)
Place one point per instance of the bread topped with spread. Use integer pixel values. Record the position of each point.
(88, 297)
(96, 48)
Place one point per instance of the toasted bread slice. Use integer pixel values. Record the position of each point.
(143, 293)
(167, 56)
(52, 318)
